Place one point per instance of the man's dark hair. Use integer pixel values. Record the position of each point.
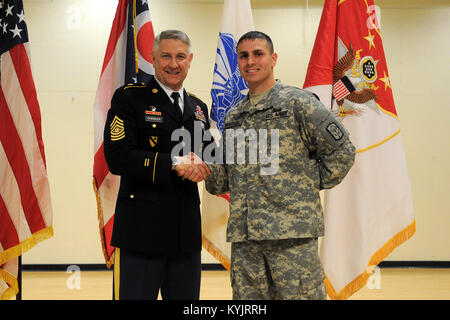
(251, 35)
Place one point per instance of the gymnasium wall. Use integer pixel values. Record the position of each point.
(68, 40)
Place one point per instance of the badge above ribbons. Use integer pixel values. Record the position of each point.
(153, 111)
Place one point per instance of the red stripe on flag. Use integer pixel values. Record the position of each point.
(22, 66)
(340, 91)
(116, 30)
(8, 232)
(320, 69)
(16, 156)
(100, 167)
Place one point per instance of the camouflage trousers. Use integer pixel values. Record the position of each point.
(277, 270)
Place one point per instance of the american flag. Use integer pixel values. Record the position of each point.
(127, 60)
(25, 206)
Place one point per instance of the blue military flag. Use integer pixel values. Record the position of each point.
(228, 88)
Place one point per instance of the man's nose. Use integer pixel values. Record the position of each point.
(173, 63)
(250, 59)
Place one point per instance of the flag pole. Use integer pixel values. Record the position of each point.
(19, 279)
(135, 39)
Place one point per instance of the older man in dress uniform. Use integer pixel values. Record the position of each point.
(157, 228)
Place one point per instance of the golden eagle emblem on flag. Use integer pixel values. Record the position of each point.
(353, 79)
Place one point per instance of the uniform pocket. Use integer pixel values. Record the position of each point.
(312, 285)
(311, 273)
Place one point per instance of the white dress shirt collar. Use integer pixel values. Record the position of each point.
(169, 92)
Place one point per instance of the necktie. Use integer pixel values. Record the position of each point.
(176, 96)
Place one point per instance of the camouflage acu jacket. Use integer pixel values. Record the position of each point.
(308, 149)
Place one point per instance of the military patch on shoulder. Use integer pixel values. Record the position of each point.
(117, 129)
(335, 132)
(194, 96)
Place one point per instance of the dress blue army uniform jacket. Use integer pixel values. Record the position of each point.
(156, 211)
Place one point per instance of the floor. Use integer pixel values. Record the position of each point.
(389, 284)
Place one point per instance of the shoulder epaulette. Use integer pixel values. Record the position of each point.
(135, 85)
(193, 95)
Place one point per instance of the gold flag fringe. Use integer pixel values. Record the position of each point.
(377, 257)
(216, 253)
(16, 251)
(12, 283)
(108, 260)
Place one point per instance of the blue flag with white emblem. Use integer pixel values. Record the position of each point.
(228, 88)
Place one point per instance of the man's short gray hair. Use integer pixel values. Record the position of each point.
(172, 34)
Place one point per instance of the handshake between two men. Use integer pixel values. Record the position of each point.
(191, 167)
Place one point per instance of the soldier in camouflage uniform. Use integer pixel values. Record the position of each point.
(275, 210)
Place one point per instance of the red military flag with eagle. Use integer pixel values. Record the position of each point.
(370, 213)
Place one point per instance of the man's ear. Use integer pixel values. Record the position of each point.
(274, 59)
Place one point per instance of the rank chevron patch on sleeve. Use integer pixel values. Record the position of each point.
(117, 129)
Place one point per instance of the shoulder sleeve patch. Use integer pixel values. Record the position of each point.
(333, 131)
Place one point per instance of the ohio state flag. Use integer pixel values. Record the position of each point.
(370, 213)
(127, 60)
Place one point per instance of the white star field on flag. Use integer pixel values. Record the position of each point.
(13, 29)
